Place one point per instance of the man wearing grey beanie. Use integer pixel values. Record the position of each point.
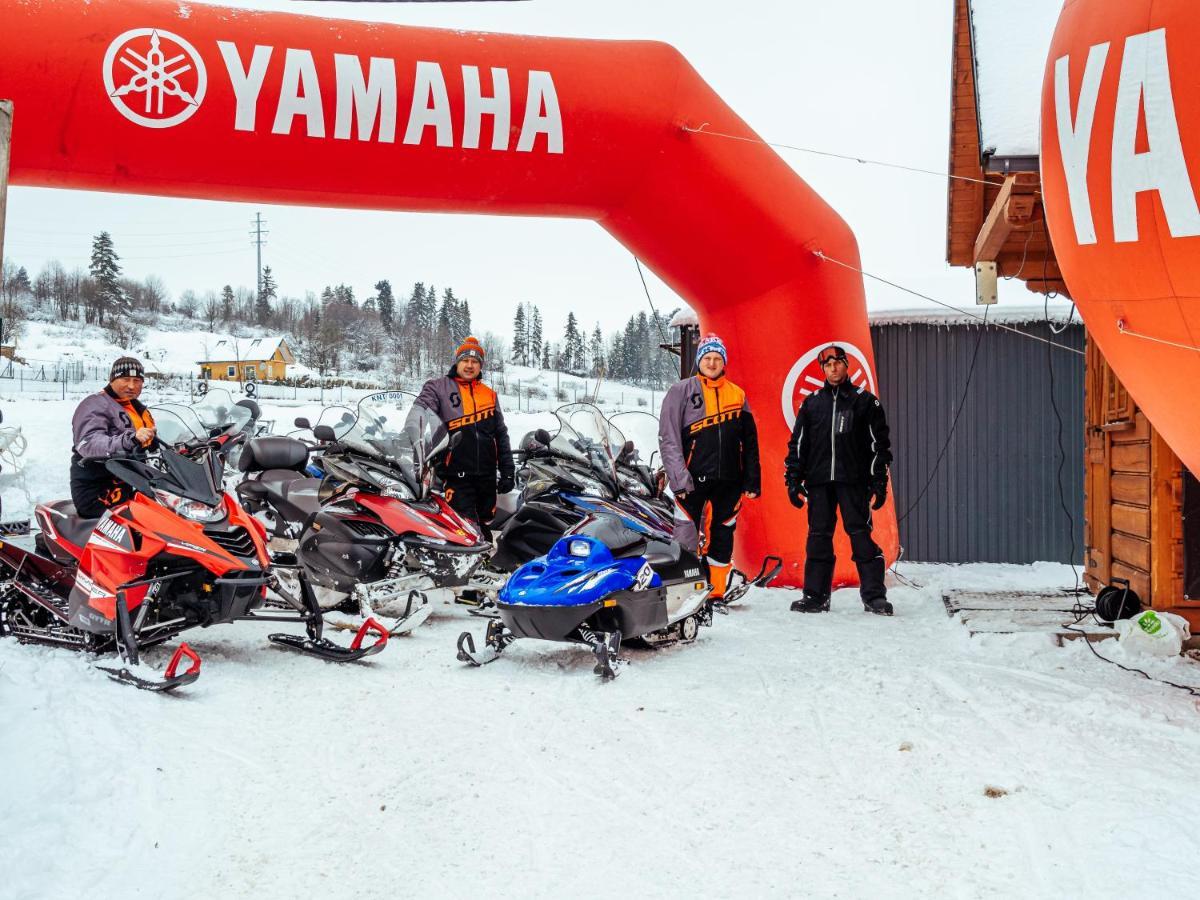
(110, 423)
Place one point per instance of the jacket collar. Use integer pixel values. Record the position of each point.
(135, 403)
(707, 382)
(844, 388)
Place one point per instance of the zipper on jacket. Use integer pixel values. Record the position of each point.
(833, 437)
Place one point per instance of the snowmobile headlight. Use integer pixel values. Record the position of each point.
(579, 548)
(591, 486)
(398, 490)
(634, 485)
(190, 509)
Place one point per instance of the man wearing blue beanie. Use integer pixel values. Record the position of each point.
(709, 446)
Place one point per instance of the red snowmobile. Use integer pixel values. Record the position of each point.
(182, 553)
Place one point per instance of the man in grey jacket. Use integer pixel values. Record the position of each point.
(709, 445)
(110, 423)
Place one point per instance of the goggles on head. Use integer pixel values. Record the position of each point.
(833, 357)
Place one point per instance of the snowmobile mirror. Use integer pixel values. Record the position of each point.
(302, 422)
(542, 436)
(324, 434)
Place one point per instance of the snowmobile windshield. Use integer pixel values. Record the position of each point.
(584, 434)
(218, 412)
(392, 429)
(642, 429)
(340, 418)
(194, 479)
(177, 423)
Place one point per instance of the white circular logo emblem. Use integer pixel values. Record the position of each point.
(806, 376)
(154, 78)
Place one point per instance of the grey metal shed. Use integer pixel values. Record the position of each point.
(994, 497)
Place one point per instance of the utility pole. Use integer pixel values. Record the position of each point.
(258, 234)
(6, 114)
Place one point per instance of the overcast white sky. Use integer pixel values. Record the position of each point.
(870, 78)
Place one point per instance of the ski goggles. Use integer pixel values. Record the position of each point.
(833, 357)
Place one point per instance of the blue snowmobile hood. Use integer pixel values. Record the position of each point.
(563, 578)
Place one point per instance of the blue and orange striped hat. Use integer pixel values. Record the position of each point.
(710, 343)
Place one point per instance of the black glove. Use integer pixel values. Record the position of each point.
(878, 493)
(505, 484)
(796, 493)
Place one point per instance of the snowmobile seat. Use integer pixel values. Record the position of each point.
(60, 518)
(292, 493)
(274, 452)
(663, 553)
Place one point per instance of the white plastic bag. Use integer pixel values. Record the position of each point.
(1153, 633)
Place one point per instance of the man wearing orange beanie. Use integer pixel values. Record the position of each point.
(481, 465)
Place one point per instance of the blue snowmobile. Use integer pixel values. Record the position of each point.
(610, 579)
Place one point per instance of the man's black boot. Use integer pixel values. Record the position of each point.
(879, 606)
(810, 604)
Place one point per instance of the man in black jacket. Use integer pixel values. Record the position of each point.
(838, 458)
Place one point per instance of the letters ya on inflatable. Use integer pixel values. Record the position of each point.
(187, 100)
(1120, 158)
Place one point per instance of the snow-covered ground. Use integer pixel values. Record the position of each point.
(839, 755)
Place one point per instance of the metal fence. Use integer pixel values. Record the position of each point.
(994, 495)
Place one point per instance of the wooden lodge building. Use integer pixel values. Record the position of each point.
(1141, 507)
(248, 359)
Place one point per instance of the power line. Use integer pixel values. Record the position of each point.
(661, 333)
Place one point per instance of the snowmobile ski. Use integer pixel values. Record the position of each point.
(771, 566)
(494, 642)
(607, 649)
(326, 649)
(147, 679)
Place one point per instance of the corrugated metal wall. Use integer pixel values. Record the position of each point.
(994, 497)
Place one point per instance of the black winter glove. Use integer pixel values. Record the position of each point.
(797, 494)
(505, 484)
(878, 493)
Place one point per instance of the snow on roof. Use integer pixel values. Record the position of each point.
(259, 348)
(685, 316)
(1011, 40)
(1000, 313)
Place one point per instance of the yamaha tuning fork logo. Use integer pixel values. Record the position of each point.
(154, 78)
(806, 376)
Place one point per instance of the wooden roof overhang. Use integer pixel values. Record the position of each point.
(994, 204)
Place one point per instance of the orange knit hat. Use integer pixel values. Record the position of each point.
(469, 349)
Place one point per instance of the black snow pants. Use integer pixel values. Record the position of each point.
(824, 501)
(473, 497)
(709, 535)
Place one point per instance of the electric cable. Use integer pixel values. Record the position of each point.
(962, 312)
(953, 424)
(703, 129)
(658, 324)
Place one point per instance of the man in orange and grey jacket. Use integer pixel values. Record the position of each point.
(481, 465)
(709, 446)
(112, 423)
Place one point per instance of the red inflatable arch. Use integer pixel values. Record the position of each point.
(198, 101)
(1120, 169)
